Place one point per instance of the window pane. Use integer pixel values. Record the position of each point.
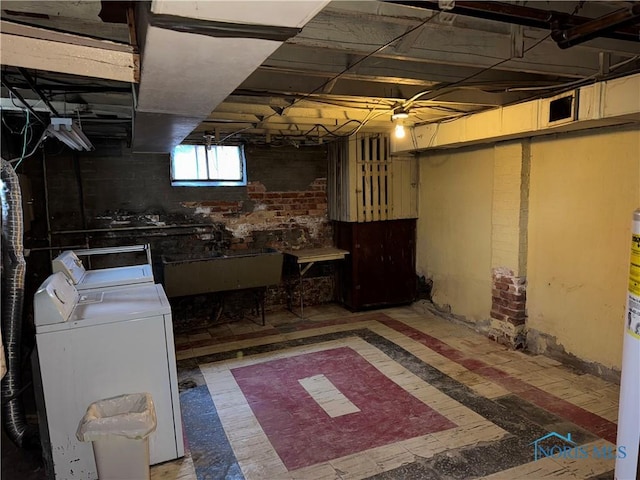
(195, 165)
(225, 163)
(201, 158)
(184, 163)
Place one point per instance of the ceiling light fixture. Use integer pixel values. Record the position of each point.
(399, 114)
(69, 133)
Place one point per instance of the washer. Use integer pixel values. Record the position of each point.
(97, 345)
(69, 263)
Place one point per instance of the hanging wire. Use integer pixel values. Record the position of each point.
(24, 140)
(577, 8)
(345, 70)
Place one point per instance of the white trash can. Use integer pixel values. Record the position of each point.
(119, 428)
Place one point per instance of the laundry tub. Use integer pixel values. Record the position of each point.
(185, 275)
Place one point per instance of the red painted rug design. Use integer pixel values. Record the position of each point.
(303, 434)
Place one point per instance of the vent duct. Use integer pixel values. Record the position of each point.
(613, 102)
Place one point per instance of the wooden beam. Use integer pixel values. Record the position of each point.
(41, 49)
(454, 45)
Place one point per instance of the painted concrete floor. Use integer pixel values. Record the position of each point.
(391, 394)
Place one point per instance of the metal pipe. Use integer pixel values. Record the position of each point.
(24, 102)
(597, 27)
(141, 227)
(13, 279)
(34, 87)
(521, 15)
(46, 202)
(83, 212)
(44, 249)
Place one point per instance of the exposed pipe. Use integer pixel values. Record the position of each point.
(83, 212)
(23, 101)
(522, 15)
(35, 88)
(13, 278)
(597, 27)
(141, 227)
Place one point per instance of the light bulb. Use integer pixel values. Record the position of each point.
(399, 131)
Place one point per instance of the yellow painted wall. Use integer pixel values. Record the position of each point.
(454, 228)
(584, 188)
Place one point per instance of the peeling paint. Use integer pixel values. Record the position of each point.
(203, 211)
(542, 343)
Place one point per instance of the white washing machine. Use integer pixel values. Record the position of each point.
(69, 263)
(97, 345)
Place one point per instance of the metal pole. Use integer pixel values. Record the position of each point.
(23, 101)
(628, 442)
(125, 229)
(46, 204)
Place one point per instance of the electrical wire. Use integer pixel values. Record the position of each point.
(577, 8)
(579, 82)
(24, 140)
(4, 122)
(345, 70)
(469, 77)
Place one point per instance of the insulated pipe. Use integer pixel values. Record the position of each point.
(13, 276)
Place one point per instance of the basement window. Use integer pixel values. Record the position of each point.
(214, 166)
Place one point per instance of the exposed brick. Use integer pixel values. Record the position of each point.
(518, 289)
(256, 187)
(510, 312)
(520, 306)
(498, 315)
(522, 296)
(517, 321)
(497, 301)
(503, 281)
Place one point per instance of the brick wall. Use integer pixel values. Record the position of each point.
(276, 219)
(508, 305)
(124, 198)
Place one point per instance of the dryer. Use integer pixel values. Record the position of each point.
(97, 345)
(69, 263)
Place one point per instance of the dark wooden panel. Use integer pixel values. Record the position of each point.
(343, 238)
(370, 264)
(400, 248)
(381, 268)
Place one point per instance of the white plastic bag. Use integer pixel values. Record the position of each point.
(132, 416)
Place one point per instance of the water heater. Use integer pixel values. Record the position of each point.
(629, 410)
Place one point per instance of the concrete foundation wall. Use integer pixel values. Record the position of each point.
(584, 188)
(454, 229)
(547, 221)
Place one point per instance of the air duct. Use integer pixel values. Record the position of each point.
(13, 276)
(194, 54)
(602, 104)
